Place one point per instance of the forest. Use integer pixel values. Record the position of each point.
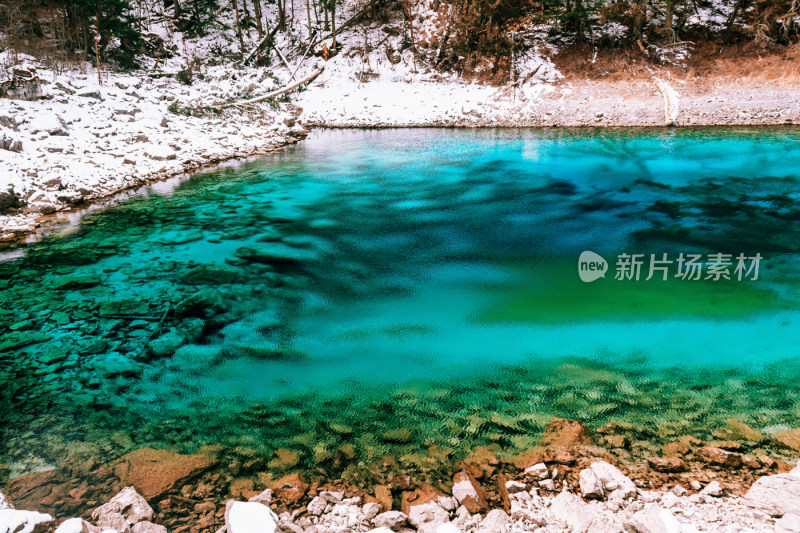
(118, 32)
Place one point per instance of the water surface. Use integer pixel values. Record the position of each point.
(403, 288)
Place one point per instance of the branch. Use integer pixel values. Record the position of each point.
(273, 94)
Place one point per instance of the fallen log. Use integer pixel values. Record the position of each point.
(273, 94)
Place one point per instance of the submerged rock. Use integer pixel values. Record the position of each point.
(212, 275)
(154, 472)
(276, 253)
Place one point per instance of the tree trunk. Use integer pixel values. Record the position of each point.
(308, 16)
(740, 5)
(333, 22)
(238, 25)
(257, 12)
(638, 20)
(670, 14)
(97, 47)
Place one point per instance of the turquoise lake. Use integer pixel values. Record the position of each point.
(399, 289)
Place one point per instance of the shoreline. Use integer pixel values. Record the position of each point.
(573, 480)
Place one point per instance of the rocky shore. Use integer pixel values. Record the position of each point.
(569, 483)
(80, 141)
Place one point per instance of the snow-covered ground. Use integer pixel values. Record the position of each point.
(85, 140)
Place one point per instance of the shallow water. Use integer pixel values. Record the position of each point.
(424, 280)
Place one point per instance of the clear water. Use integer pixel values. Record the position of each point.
(423, 280)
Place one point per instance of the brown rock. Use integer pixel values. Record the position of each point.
(482, 462)
(502, 490)
(718, 456)
(789, 438)
(290, 489)
(425, 493)
(738, 430)
(384, 497)
(31, 490)
(564, 434)
(155, 472)
(667, 464)
(240, 486)
(675, 449)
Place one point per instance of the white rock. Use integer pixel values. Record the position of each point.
(390, 520)
(496, 520)
(778, 495)
(380, 530)
(427, 516)
(249, 517)
(317, 506)
(537, 471)
(713, 489)
(613, 479)
(147, 527)
(72, 525)
(448, 528)
(576, 514)
(17, 521)
(789, 523)
(654, 519)
(129, 503)
(591, 486)
(264, 498)
(513, 487)
(371, 510)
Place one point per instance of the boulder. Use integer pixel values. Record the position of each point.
(428, 516)
(496, 520)
(129, 504)
(114, 521)
(49, 123)
(391, 520)
(613, 479)
(591, 486)
(777, 495)
(789, 523)
(155, 472)
(371, 510)
(469, 492)
(713, 489)
(17, 521)
(718, 456)
(538, 472)
(290, 489)
(667, 464)
(249, 517)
